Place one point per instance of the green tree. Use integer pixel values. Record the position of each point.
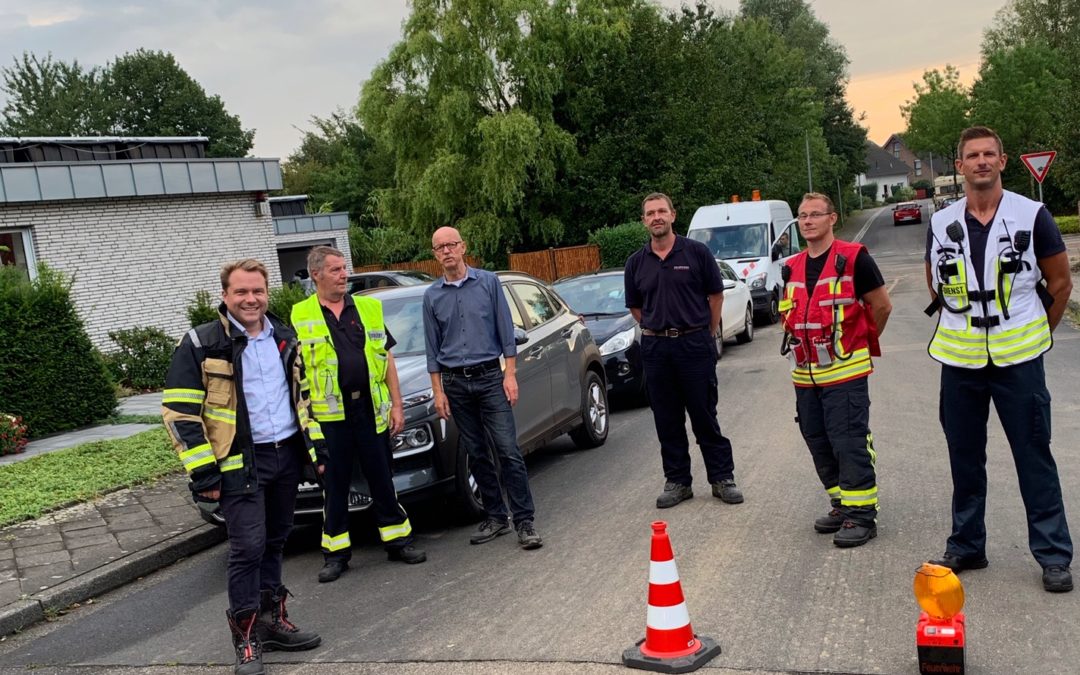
(338, 164)
(145, 93)
(48, 98)
(1048, 23)
(937, 114)
(1020, 93)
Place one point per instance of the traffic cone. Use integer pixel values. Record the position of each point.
(670, 645)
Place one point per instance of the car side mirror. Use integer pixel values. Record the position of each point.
(520, 336)
(728, 284)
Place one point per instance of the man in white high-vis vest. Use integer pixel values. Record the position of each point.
(999, 277)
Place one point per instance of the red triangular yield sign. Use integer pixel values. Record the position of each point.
(1038, 163)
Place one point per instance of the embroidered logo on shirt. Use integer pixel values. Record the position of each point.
(681, 267)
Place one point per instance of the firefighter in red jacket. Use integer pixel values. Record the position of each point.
(834, 308)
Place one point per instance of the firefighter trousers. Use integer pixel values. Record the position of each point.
(259, 522)
(348, 442)
(835, 423)
(1022, 401)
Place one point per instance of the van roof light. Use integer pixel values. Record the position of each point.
(756, 195)
(735, 199)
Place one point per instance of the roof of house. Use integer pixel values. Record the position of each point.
(882, 163)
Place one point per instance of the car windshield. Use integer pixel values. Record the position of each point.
(594, 294)
(736, 241)
(412, 278)
(908, 205)
(405, 319)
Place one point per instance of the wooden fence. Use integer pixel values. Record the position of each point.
(555, 263)
(549, 265)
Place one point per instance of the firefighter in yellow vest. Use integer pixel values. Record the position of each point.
(356, 399)
(999, 278)
(835, 305)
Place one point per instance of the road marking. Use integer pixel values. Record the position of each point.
(869, 222)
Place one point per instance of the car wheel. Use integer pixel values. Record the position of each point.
(772, 314)
(468, 492)
(748, 329)
(594, 414)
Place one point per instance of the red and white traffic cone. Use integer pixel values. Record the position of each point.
(670, 645)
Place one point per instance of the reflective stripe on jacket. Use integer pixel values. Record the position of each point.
(203, 407)
(320, 359)
(978, 331)
(832, 308)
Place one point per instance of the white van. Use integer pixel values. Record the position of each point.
(755, 238)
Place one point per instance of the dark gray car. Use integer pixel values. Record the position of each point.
(560, 377)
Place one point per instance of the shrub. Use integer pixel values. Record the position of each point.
(12, 434)
(143, 357)
(202, 309)
(619, 242)
(50, 374)
(1068, 224)
(282, 299)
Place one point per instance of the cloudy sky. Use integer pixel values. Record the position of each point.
(278, 62)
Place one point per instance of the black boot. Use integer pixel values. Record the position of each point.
(246, 641)
(274, 628)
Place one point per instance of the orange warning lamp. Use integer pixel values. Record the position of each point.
(939, 635)
(735, 199)
(755, 196)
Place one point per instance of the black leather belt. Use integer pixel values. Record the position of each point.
(473, 370)
(671, 332)
(277, 445)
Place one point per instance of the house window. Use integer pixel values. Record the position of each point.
(896, 150)
(918, 167)
(17, 248)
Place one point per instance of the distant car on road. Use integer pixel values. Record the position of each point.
(907, 212)
(368, 280)
(948, 201)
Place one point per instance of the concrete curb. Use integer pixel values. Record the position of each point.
(24, 613)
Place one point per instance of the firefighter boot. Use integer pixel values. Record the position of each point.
(275, 630)
(246, 642)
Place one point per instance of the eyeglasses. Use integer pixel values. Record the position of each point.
(448, 246)
(815, 215)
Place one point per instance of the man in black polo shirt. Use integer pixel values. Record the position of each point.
(674, 290)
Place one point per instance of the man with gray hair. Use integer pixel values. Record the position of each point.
(356, 398)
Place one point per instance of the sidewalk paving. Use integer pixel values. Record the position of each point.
(81, 551)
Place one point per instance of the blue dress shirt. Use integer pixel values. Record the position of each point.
(266, 388)
(467, 324)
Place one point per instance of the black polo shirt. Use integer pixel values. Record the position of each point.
(348, 336)
(673, 292)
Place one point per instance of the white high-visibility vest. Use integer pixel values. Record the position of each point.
(978, 331)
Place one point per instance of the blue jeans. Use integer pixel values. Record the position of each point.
(479, 406)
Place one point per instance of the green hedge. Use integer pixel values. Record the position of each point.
(1068, 224)
(619, 242)
(282, 299)
(203, 309)
(51, 375)
(143, 357)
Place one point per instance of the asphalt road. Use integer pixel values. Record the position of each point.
(778, 597)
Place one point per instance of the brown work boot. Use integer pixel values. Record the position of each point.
(275, 630)
(246, 642)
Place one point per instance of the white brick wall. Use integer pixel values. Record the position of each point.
(339, 239)
(139, 261)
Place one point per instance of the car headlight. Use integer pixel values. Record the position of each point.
(417, 398)
(618, 342)
(756, 282)
(413, 440)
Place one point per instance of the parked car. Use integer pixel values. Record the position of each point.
(907, 212)
(599, 297)
(948, 201)
(562, 384)
(368, 280)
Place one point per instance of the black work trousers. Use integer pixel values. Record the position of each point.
(349, 441)
(1022, 401)
(680, 373)
(259, 523)
(835, 423)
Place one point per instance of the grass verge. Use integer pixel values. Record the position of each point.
(1068, 224)
(34, 486)
(123, 418)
